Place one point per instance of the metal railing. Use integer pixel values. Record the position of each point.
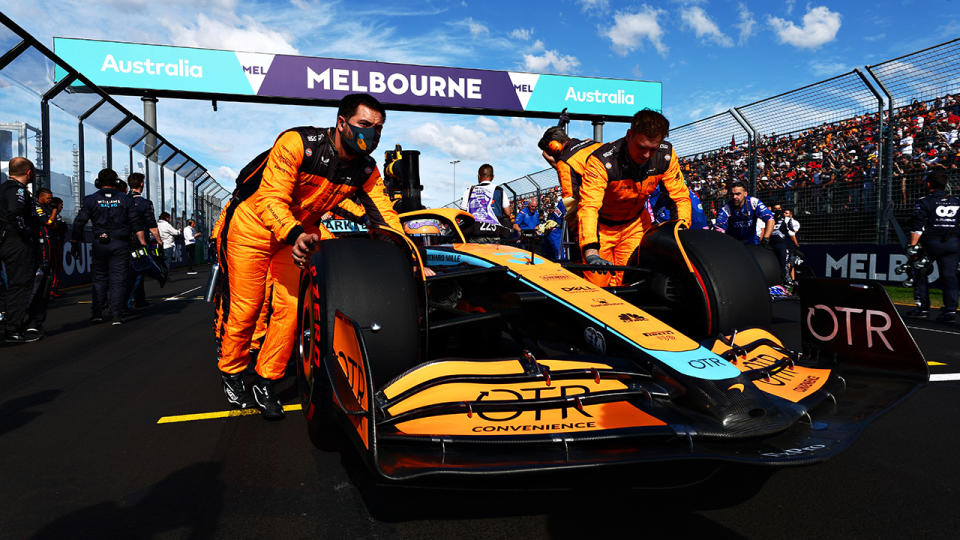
(66, 155)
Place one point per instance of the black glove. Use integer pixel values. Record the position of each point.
(913, 250)
(599, 261)
(765, 242)
(75, 249)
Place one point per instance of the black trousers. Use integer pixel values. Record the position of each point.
(37, 313)
(188, 252)
(946, 251)
(20, 260)
(784, 250)
(111, 264)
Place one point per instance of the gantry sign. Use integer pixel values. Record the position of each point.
(182, 72)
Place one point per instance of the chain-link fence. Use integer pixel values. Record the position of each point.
(851, 170)
(86, 130)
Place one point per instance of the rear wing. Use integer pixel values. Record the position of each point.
(854, 323)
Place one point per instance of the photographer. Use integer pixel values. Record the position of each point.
(934, 226)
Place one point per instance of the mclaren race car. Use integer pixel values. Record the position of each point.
(505, 362)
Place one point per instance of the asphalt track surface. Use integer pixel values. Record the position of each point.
(82, 455)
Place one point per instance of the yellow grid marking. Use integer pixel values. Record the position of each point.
(219, 414)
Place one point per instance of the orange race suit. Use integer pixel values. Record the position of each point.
(572, 163)
(280, 195)
(612, 216)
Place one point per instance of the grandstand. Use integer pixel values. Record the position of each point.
(848, 154)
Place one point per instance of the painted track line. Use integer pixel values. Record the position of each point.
(219, 414)
(934, 330)
(179, 296)
(944, 377)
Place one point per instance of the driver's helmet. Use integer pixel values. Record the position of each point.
(425, 232)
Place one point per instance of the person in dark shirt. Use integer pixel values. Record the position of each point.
(115, 219)
(936, 227)
(47, 219)
(18, 252)
(136, 297)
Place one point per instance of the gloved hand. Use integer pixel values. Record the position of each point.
(75, 249)
(765, 242)
(600, 261)
(913, 250)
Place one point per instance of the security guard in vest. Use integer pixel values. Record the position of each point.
(936, 227)
(19, 231)
(115, 219)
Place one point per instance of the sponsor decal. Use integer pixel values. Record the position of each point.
(706, 363)
(578, 289)
(793, 452)
(308, 152)
(947, 211)
(737, 386)
(536, 427)
(539, 392)
(377, 82)
(603, 302)
(876, 323)
(557, 277)
(595, 339)
(633, 317)
(664, 335)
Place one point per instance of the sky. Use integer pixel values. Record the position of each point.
(709, 55)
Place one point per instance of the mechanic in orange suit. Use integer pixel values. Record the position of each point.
(569, 158)
(274, 227)
(619, 177)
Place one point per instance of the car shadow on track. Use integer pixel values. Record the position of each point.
(648, 499)
(191, 499)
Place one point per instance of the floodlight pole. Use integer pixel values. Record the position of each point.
(454, 163)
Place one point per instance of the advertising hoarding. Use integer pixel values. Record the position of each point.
(207, 73)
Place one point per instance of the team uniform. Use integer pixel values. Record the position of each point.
(18, 234)
(935, 217)
(136, 295)
(612, 216)
(741, 223)
(51, 229)
(663, 209)
(781, 240)
(280, 195)
(571, 165)
(115, 219)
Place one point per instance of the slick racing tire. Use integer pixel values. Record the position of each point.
(733, 283)
(370, 282)
(767, 261)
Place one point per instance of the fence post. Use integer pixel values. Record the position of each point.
(879, 232)
(752, 164)
(887, 140)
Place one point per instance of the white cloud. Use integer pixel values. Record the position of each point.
(746, 24)
(630, 29)
(828, 69)
(522, 33)
(476, 29)
(552, 61)
(695, 18)
(820, 26)
(790, 4)
(598, 6)
(225, 175)
(488, 124)
(247, 34)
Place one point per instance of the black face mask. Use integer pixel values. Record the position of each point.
(363, 142)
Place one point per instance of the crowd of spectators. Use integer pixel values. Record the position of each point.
(833, 167)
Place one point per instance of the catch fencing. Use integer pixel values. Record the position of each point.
(835, 151)
(70, 129)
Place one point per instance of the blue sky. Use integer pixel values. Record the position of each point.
(710, 56)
